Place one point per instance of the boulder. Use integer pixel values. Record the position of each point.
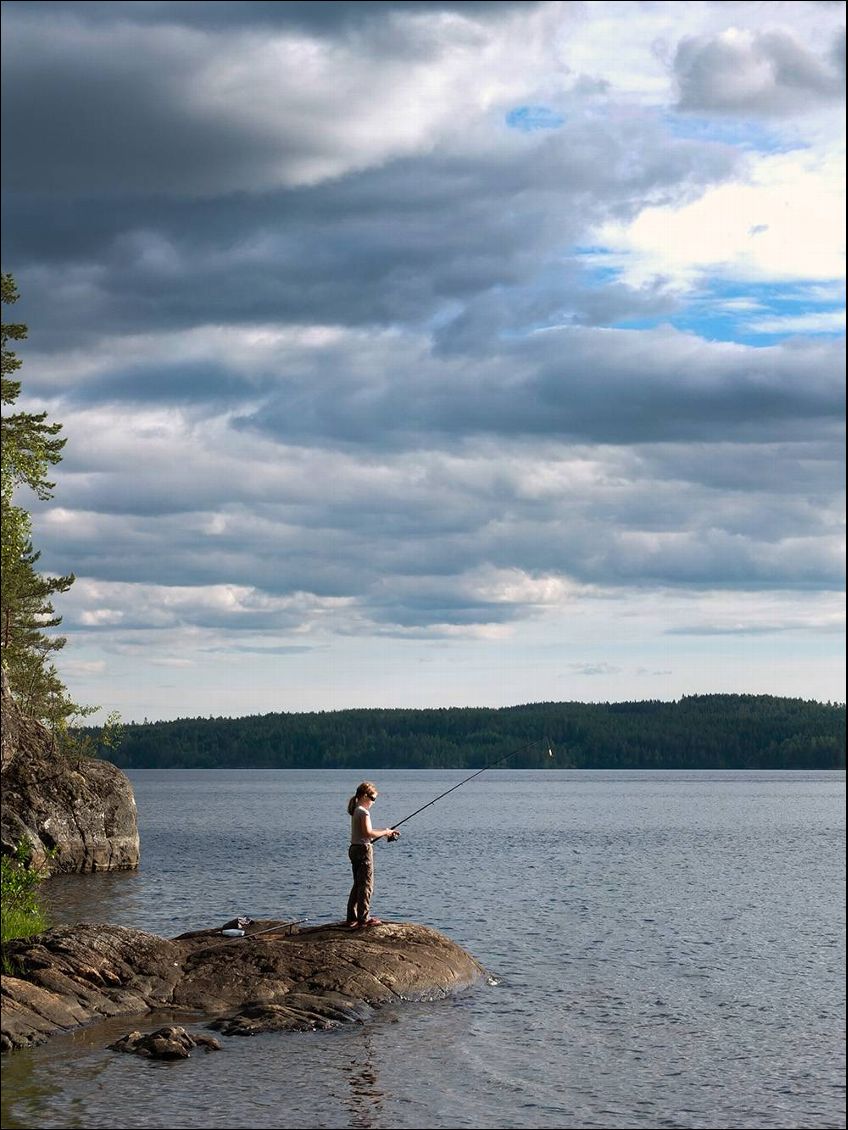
(275, 977)
(171, 1042)
(80, 809)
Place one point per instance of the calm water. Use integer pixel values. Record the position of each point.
(669, 951)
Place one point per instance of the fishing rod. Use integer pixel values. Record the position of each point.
(242, 933)
(491, 765)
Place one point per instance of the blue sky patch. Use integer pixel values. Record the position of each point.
(741, 133)
(725, 309)
(528, 119)
(754, 313)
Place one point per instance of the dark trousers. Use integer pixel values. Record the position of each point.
(362, 861)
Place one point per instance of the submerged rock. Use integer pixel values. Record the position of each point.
(171, 1042)
(285, 978)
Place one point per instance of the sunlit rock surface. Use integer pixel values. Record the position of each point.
(288, 978)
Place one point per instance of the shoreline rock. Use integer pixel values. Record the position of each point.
(80, 808)
(292, 980)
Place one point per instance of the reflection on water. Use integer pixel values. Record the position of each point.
(111, 896)
(366, 1101)
(24, 1091)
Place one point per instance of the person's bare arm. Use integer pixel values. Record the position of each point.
(378, 833)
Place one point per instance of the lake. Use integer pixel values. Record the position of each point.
(666, 949)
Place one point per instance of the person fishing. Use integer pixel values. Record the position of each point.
(363, 836)
(361, 854)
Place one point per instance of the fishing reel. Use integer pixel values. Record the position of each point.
(390, 839)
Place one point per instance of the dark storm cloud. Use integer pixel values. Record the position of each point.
(207, 382)
(584, 385)
(768, 73)
(479, 239)
(485, 241)
(201, 99)
(107, 114)
(394, 393)
(328, 16)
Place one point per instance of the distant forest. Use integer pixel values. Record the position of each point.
(698, 732)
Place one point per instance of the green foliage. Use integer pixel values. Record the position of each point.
(698, 732)
(30, 446)
(27, 614)
(93, 742)
(21, 913)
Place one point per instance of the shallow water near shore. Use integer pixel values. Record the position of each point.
(666, 949)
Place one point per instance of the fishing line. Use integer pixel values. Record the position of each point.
(491, 765)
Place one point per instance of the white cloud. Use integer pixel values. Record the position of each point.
(740, 305)
(821, 322)
(79, 668)
(603, 669)
(98, 617)
(634, 49)
(785, 223)
(659, 643)
(95, 603)
(764, 72)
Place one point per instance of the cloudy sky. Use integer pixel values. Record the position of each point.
(431, 354)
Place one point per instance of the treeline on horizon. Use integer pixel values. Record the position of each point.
(698, 732)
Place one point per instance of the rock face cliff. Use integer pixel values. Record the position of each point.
(82, 807)
(278, 979)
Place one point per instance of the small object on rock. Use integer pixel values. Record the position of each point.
(171, 1042)
(233, 933)
(240, 923)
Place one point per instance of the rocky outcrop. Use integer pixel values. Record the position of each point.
(18, 733)
(80, 806)
(293, 979)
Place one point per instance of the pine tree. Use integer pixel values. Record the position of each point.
(30, 446)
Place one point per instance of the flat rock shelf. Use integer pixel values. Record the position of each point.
(278, 976)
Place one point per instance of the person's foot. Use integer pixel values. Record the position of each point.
(373, 922)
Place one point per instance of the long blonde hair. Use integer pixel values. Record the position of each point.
(367, 788)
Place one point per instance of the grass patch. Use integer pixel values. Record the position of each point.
(21, 912)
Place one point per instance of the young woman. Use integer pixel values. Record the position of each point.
(361, 854)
